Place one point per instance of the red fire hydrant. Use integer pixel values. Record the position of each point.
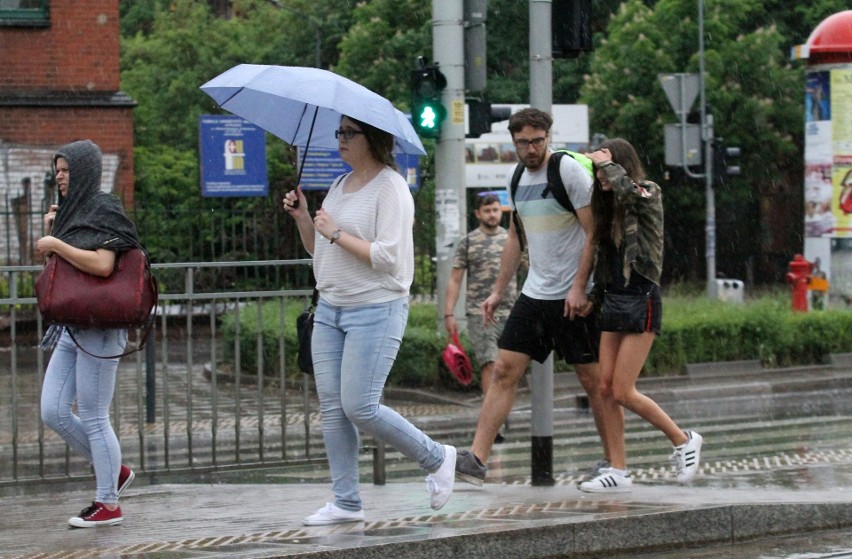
(799, 277)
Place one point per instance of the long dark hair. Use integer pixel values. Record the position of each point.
(604, 207)
(380, 142)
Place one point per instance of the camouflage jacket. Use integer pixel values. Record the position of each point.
(479, 254)
(642, 228)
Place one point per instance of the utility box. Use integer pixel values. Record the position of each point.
(729, 290)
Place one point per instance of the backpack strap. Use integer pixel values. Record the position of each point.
(554, 181)
(554, 185)
(513, 187)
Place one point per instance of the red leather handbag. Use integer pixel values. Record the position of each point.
(70, 297)
(457, 361)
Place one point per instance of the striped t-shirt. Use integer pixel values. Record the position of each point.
(554, 235)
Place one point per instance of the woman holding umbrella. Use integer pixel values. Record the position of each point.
(363, 257)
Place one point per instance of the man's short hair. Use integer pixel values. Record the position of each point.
(530, 117)
(487, 200)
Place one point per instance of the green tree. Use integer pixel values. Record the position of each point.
(753, 91)
(380, 48)
(169, 51)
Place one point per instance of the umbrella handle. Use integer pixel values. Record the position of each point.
(305, 155)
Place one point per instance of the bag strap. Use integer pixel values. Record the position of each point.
(139, 346)
(457, 341)
(149, 323)
(554, 181)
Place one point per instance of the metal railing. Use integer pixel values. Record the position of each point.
(217, 230)
(193, 400)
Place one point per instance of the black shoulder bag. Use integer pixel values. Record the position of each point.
(304, 331)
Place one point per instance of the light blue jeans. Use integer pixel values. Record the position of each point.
(73, 375)
(354, 349)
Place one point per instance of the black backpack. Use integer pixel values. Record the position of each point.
(554, 185)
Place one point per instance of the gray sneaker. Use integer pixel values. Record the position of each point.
(469, 468)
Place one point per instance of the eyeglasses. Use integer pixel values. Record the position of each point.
(348, 133)
(535, 142)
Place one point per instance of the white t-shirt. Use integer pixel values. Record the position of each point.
(554, 235)
(381, 212)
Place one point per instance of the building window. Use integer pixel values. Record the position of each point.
(24, 13)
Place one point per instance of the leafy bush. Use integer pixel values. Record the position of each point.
(416, 365)
(695, 330)
(262, 324)
(699, 330)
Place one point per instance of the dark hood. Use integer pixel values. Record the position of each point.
(88, 218)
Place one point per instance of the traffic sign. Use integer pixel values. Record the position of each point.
(681, 90)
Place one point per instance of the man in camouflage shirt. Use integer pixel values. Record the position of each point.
(479, 254)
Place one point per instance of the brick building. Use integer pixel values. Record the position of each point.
(59, 82)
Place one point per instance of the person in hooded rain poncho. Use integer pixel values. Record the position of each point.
(87, 228)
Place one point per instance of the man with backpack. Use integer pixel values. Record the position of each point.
(553, 311)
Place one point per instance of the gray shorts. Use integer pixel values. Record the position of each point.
(484, 339)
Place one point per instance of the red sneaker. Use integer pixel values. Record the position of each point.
(125, 478)
(96, 515)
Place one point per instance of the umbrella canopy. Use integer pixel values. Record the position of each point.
(303, 106)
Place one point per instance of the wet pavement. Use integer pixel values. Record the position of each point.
(775, 482)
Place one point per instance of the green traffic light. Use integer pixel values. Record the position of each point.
(428, 117)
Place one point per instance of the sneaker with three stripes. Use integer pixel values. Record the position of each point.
(687, 456)
(609, 480)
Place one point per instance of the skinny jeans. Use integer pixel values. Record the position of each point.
(71, 376)
(353, 351)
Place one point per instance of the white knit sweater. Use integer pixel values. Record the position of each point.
(381, 212)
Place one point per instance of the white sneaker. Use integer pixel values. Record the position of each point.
(608, 481)
(440, 484)
(332, 514)
(687, 456)
(595, 471)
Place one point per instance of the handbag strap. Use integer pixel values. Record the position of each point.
(457, 341)
(139, 346)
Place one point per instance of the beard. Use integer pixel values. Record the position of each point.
(534, 161)
(490, 224)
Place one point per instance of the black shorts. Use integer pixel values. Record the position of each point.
(537, 327)
(648, 315)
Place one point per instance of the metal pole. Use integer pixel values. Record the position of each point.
(541, 56)
(707, 137)
(450, 191)
(541, 391)
(541, 377)
(151, 376)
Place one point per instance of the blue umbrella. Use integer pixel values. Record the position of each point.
(303, 106)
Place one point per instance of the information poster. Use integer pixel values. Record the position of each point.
(233, 157)
(323, 165)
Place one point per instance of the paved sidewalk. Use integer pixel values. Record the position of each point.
(777, 459)
(512, 521)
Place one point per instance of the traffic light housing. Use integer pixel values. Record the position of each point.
(724, 161)
(481, 115)
(427, 111)
(571, 27)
